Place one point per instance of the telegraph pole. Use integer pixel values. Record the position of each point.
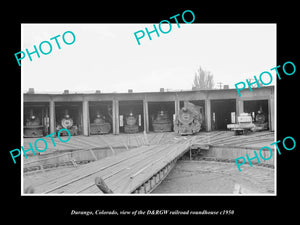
(220, 83)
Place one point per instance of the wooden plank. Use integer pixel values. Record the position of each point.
(82, 169)
(151, 137)
(85, 141)
(145, 176)
(240, 139)
(157, 138)
(110, 172)
(116, 177)
(148, 170)
(111, 148)
(93, 169)
(131, 166)
(93, 154)
(123, 180)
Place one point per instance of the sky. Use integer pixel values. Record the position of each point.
(107, 57)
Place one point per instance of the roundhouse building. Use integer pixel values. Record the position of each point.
(220, 107)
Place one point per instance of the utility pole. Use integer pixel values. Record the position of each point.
(255, 85)
(220, 83)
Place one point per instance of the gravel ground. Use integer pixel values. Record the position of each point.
(209, 177)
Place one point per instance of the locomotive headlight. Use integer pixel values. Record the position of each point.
(33, 117)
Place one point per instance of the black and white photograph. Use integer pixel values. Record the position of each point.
(159, 116)
(179, 113)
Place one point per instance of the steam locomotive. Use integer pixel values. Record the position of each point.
(189, 119)
(131, 126)
(100, 126)
(67, 123)
(161, 123)
(260, 121)
(33, 127)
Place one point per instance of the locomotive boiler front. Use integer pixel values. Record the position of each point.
(100, 126)
(162, 123)
(33, 127)
(261, 122)
(189, 119)
(131, 126)
(67, 123)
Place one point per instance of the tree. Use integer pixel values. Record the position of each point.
(203, 80)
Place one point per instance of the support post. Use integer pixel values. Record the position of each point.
(146, 115)
(177, 105)
(52, 116)
(114, 117)
(239, 108)
(115, 109)
(208, 114)
(85, 117)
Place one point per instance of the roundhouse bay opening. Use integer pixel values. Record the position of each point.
(100, 114)
(223, 112)
(256, 108)
(36, 119)
(200, 103)
(69, 115)
(161, 116)
(131, 119)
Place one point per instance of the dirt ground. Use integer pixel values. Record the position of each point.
(210, 177)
